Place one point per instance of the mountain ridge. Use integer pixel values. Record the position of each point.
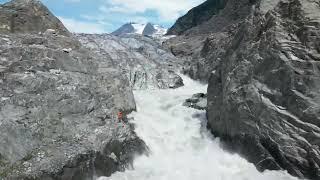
(146, 29)
(197, 16)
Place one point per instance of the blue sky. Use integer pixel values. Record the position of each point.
(98, 16)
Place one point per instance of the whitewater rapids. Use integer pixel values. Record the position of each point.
(180, 146)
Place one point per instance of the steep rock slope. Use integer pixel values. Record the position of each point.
(58, 105)
(146, 64)
(196, 16)
(154, 30)
(262, 58)
(125, 29)
(196, 43)
(268, 85)
(28, 16)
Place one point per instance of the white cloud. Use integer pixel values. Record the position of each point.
(110, 14)
(77, 26)
(168, 10)
(114, 9)
(72, 1)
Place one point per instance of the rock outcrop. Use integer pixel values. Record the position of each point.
(197, 16)
(28, 16)
(263, 60)
(149, 30)
(58, 103)
(127, 28)
(197, 101)
(146, 64)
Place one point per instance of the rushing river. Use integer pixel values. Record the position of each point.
(180, 146)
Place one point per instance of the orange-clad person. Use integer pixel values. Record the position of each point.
(120, 116)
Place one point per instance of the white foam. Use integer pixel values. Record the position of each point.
(181, 147)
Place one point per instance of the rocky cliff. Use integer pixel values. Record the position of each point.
(58, 102)
(262, 62)
(142, 59)
(197, 16)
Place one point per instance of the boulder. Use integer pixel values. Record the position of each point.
(197, 101)
(28, 16)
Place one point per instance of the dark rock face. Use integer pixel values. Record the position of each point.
(196, 16)
(197, 101)
(125, 29)
(203, 46)
(266, 87)
(145, 63)
(28, 16)
(58, 106)
(262, 58)
(149, 30)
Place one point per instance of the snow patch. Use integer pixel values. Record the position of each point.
(138, 28)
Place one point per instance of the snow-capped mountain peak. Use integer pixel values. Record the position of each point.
(148, 29)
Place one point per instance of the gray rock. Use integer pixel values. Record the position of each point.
(146, 64)
(58, 107)
(262, 58)
(58, 110)
(149, 30)
(203, 46)
(197, 101)
(28, 16)
(196, 16)
(125, 29)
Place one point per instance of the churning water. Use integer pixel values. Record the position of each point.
(180, 146)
